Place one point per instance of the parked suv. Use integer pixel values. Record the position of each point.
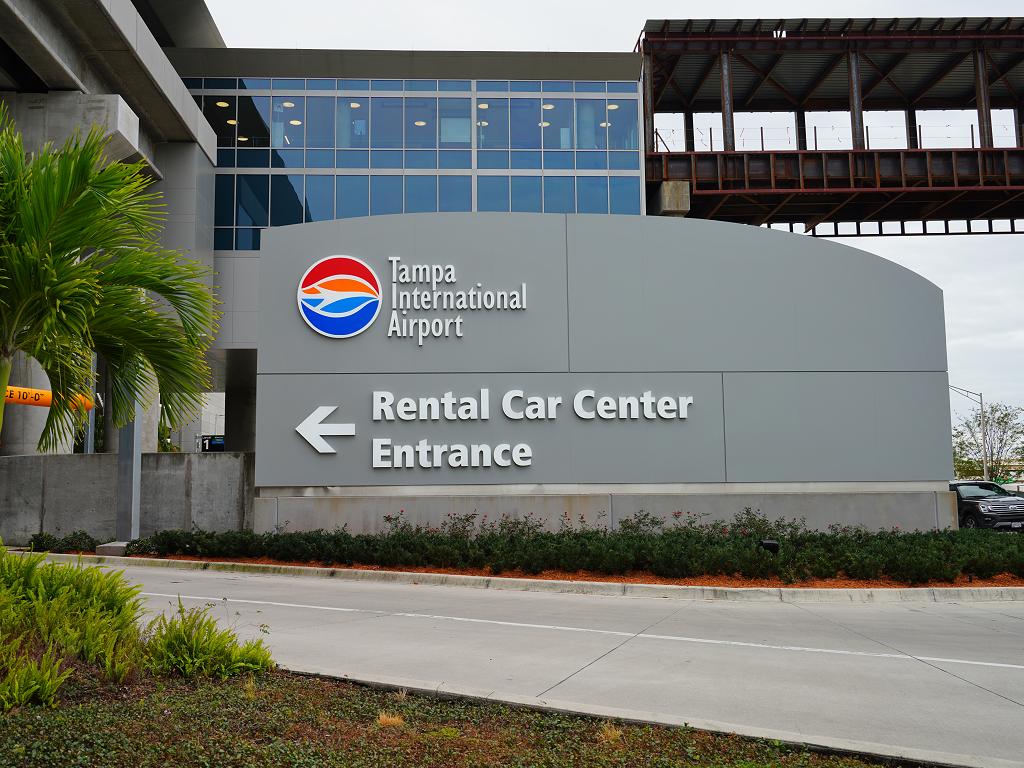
(987, 505)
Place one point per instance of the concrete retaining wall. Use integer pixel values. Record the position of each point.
(922, 510)
(59, 494)
(214, 491)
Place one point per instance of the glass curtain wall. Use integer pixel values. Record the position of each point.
(300, 150)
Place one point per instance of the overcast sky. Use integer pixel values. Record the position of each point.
(982, 276)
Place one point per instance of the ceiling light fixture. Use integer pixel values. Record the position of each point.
(420, 123)
(482, 105)
(232, 121)
(544, 124)
(243, 138)
(222, 104)
(613, 106)
(295, 122)
(548, 106)
(354, 105)
(605, 125)
(482, 123)
(288, 104)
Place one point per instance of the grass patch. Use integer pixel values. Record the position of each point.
(685, 547)
(288, 720)
(61, 620)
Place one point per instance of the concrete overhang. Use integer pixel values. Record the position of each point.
(55, 117)
(104, 46)
(507, 65)
(180, 23)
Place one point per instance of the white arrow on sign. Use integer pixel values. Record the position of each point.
(313, 429)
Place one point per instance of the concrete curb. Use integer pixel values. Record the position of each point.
(869, 750)
(612, 589)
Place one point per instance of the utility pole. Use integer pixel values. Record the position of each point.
(984, 431)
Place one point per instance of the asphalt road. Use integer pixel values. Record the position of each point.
(941, 681)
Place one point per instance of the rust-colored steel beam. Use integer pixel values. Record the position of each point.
(794, 40)
(986, 214)
(884, 75)
(822, 76)
(939, 77)
(757, 86)
(816, 187)
(981, 97)
(767, 78)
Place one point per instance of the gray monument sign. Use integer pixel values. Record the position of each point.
(540, 350)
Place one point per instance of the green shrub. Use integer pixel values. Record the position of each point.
(51, 613)
(44, 542)
(684, 547)
(190, 644)
(76, 541)
(25, 680)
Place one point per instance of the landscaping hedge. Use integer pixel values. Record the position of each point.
(685, 547)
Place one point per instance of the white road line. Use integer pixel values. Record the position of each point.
(588, 630)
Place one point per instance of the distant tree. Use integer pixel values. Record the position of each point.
(1004, 431)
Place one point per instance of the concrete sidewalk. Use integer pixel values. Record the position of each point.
(942, 682)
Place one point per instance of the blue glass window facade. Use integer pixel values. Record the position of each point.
(293, 150)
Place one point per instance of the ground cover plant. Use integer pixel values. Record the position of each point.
(59, 621)
(287, 720)
(684, 547)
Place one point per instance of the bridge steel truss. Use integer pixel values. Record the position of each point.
(849, 65)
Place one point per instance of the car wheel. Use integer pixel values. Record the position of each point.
(969, 521)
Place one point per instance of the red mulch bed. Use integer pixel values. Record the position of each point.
(633, 577)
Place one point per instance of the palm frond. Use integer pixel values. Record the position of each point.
(82, 270)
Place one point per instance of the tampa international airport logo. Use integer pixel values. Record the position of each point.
(339, 297)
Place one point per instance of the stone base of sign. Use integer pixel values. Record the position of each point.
(295, 509)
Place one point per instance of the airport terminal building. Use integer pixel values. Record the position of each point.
(469, 282)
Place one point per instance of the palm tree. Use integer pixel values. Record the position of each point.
(82, 271)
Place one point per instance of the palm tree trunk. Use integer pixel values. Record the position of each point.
(5, 378)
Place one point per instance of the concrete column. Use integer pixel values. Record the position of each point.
(689, 134)
(149, 435)
(728, 121)
(240, 400)
(981, 99)
(110, 441)
(23, 424)
(188, 190)
(648, 86)
(856, 99)
(801, 129)
(911, 123)
(129, 478)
